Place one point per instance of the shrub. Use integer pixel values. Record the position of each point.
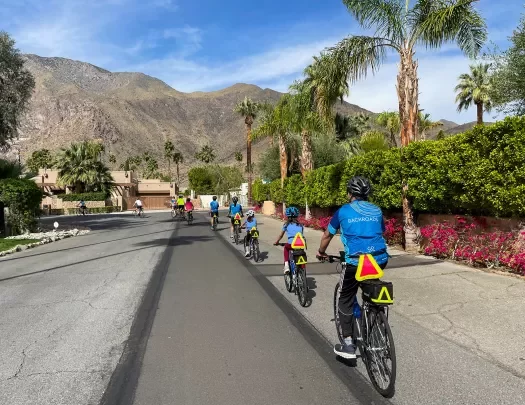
(393, 231)
(100, 196)
(260, 191)
(23, 197)
(276, 192)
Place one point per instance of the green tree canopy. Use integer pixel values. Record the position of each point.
(40, 159)
(474, 88)
(206, 154)
(16, 87)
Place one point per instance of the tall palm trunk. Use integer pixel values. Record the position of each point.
(307, 161)
(283, 159)
(178, 176)
(249, 123)
(407, 91)
(479, 107)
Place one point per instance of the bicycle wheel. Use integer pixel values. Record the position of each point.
(236, 234)
(256, 252)
(337, 317)
(380, 352)
(214, 223)
(173, 214)
(302, 287)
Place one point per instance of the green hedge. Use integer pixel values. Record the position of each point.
(23, 197)
(479, 172)
(84, 196)
(260, 191)
(98, 210)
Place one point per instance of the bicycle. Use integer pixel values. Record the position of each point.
(296, 279)
(370, 329)
(173, 213)
(139, 212)
(82, 211)
(181, 215)
(190, 217)
(255, 252)
(236, 230)
(215, 221)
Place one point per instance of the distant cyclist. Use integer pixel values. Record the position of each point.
(173, 203)
(180, 204)
(249, 224)
(188, 205)
(139, 206)
(291, 228)
(235, 208)
(82, 207)
(214, 210)
(362, 226)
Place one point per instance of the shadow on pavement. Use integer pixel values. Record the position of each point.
(177, 241)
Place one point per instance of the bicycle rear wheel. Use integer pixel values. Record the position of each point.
(214, 223)
(380, 352)
(337, 317)
(236, 234)
(256, 251)
(302, 286)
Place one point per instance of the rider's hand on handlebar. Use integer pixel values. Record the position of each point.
(321, 256)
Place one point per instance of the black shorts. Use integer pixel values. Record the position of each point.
(233, 221)
(180, 207)
(216, 213)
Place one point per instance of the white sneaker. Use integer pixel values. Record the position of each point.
(231, 236)
(286, 268)
(247, 252)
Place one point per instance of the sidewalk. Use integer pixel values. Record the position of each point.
(457, 330)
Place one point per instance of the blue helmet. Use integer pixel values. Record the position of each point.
(292, 212)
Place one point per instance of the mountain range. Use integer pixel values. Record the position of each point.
(132, 112)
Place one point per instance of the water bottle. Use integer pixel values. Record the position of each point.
(357, 309)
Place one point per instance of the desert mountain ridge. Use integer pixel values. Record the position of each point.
(133, 113)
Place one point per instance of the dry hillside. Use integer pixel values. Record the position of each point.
(133, 112)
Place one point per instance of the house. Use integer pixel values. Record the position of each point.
(154, 193)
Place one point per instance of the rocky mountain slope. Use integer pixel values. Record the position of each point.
(132, 113)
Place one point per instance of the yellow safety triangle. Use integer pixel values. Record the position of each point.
(382, 299)
(301, 260)
(298, 242)
(367, 268)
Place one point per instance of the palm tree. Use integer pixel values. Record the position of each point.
(390, 121)
(169, 149)
(474, 88)
(248, 109)
(276, 122)
(206, 154)
(400, 28)
(343, 127)
(305, 120)
(177, 159)
(80, 166)
(373, 140)
(425, 124)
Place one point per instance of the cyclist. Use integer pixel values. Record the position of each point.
(82, 206)
(138, 205)
(235, 208)
(173, 203)
(249, 223)
(180, 204)
(214, 209)
(188, 206)
(291, 228)
(362, 226)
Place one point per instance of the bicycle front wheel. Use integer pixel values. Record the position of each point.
(380, 353)
(302, 287)
(236, 234)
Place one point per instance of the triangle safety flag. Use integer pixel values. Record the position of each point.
(368, 269)
(237, 216)
(301, 260)
(384, 297)
(298, 241)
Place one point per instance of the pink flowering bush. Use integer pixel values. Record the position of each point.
(393, 231)
(464, 241)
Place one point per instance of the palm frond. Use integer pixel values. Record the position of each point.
(387, 16)
(436, 22)
(360, 54)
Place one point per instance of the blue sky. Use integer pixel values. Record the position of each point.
(211, 44)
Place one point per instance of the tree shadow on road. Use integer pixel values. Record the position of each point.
(177, 241)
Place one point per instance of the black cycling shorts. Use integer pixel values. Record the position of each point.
(212, 213)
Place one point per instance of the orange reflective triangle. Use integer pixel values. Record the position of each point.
(368, 268)
(298, 242)
(237, 216)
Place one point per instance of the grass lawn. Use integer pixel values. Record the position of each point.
(6, 244)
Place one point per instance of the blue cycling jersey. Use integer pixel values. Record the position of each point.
(250, 224)
(362, 228)
(234, 209)
(214, 206)
(291, 229)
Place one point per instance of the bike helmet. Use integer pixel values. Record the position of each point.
(214, 197)
(250, 213)
(235, 199)
(188, 199)
(181, 196)
(292, 212)
(358, 186)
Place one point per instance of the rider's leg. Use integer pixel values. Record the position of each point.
(287, 249)
(348, 290)
(231, 229)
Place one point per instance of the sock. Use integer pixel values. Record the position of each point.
(348, 341)
(286, 265)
